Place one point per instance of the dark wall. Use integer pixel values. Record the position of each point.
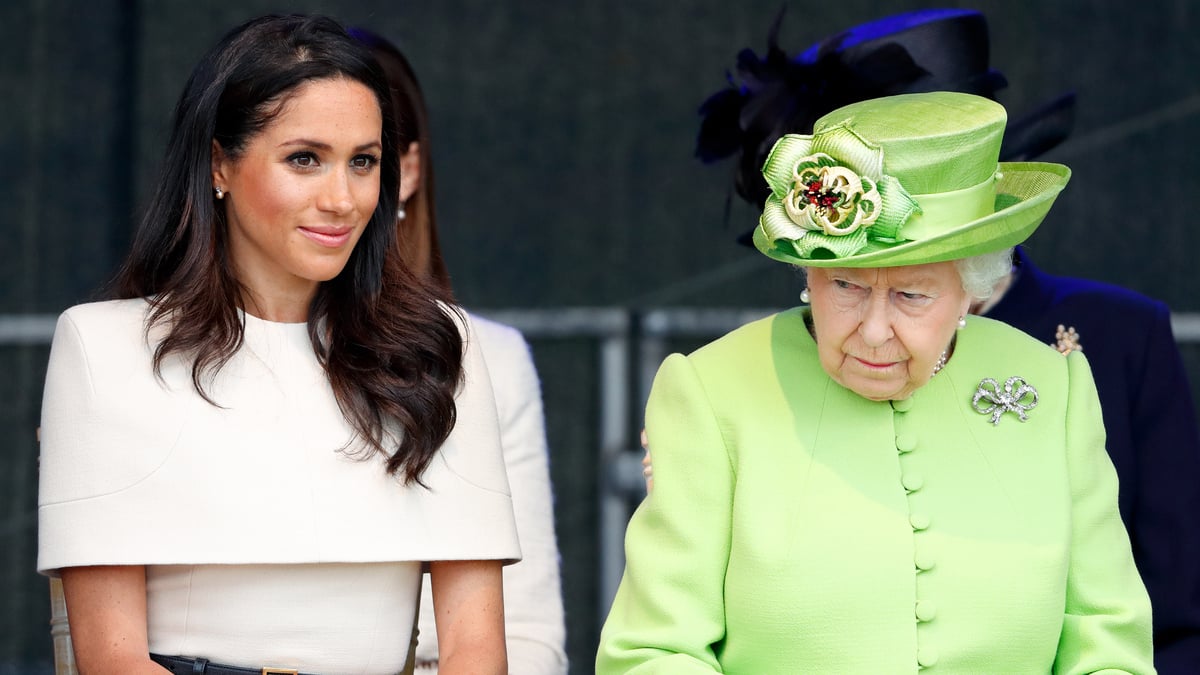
(563, 140)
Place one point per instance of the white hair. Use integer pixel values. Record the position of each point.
(980, 273)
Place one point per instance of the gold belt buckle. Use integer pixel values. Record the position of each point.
(280, 671)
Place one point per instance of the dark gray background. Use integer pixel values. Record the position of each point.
(563, 136)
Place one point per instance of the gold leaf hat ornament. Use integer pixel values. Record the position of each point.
(901, 180)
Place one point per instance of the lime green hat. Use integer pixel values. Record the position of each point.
(901, 180)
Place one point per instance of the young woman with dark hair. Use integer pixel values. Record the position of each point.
(416, 217)
(249, 454)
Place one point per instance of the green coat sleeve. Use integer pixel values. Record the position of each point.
(1106, 621)
(669, 610)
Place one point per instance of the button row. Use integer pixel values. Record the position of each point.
(913, 480)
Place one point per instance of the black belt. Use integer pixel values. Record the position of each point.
(184, 666)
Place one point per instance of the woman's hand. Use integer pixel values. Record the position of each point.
(468, 603)
(106, 610)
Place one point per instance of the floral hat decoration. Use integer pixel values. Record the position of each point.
(901, 180)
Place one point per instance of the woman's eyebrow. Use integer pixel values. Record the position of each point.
(320, 145)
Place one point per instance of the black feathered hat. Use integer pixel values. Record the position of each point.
(925, 50)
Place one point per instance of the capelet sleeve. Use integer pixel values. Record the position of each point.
(137, 469)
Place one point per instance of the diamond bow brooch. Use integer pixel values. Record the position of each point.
(1016, 397)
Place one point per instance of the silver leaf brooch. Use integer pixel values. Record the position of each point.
(1016, 397)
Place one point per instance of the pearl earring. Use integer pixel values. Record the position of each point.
(962, 322)
(220, 193)
(400, 214)
(805, 297)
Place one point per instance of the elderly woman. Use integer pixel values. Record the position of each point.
(880, 482)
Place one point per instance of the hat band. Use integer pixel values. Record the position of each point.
(943, 211)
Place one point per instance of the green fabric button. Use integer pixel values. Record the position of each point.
(912, 481)
(925, 610)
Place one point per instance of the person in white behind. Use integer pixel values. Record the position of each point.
(533, 608)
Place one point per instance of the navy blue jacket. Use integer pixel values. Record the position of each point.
(1153, 437)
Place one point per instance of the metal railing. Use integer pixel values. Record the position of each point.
(623, 338)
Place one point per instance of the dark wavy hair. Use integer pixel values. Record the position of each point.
(384, 335)
(418, 230)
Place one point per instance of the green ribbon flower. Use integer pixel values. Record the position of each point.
(829, 193)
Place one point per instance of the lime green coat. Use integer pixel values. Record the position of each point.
(796, 527)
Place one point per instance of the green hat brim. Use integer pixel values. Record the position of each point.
(1024, 194)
